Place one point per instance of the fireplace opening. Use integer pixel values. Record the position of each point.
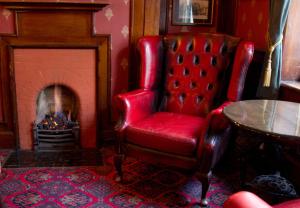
(56, 127)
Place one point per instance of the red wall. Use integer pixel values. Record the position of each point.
(252, 21)
(113, 20)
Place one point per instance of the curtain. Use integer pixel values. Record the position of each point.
(271, 74)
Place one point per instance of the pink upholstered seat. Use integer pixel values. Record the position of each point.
(175, 117)
(244, 199)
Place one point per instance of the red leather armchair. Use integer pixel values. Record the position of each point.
(244, 199)
(175, 117)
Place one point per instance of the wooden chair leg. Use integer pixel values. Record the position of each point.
(204, 178)
(118, 160)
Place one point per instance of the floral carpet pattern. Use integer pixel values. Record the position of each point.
(144, 185)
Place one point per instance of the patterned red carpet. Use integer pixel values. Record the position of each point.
(144, 186)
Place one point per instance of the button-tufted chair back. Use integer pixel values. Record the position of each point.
(195, 69)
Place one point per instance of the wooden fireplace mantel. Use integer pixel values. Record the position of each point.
(52, 24)
(95, 5)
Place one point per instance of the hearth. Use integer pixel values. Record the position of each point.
(56, 127)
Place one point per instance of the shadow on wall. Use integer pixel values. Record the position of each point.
(122, 63)
(253, 75)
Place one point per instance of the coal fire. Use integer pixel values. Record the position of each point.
(56, 127)
(56, 121)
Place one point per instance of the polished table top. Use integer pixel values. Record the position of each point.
(271, 117)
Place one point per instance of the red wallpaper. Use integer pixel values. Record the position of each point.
(252, 21)
(113, 20)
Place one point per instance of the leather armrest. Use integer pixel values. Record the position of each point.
(214, 139)
(244, 199)
(133, 106)
(216, 119)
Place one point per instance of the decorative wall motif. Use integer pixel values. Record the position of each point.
(109, 14)
(125, 31)
(6, 21)
(6, 13)
(124, 64)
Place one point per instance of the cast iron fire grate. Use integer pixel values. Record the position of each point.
(56, 132)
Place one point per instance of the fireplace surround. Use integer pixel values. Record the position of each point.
(58, 27)
(72, 71)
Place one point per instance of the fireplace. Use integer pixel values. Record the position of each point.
(54, 45)
(56, 126)
(56, 82)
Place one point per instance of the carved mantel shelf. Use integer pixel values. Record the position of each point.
(95, 5)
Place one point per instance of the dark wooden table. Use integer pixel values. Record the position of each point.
(278, 119)
(264, 121)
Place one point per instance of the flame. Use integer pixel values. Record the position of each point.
(69, 115)
(42, 108)
(57, 99)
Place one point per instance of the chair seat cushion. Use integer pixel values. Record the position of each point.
(167, 132)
